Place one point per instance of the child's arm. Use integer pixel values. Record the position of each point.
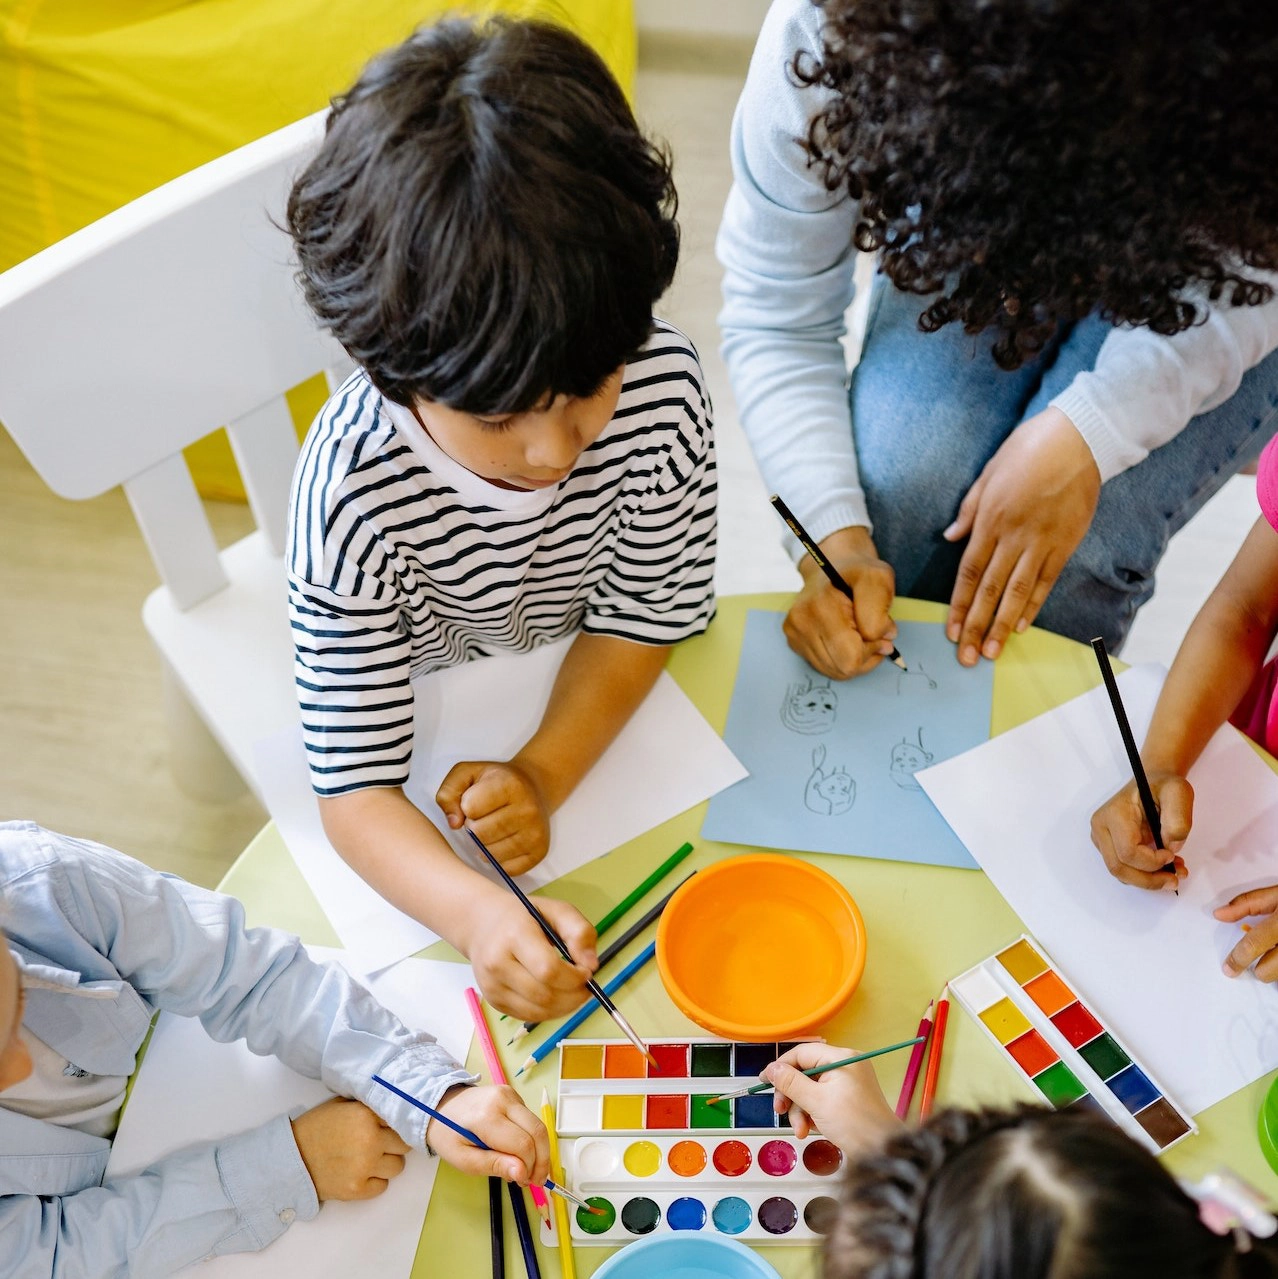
(599, 686)
(846, 1105)
(1217, 662)
(393, 846)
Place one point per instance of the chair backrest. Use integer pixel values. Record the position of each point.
(143, 332)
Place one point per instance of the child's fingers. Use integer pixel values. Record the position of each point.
(388, 1167)
(539, 1166)
(1251, 946)
(801, 1090)
(456, 782)
(1256, 901)
(1175, 798)
(576, 930)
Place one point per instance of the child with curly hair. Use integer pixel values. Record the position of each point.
(1017, 1193)
(1070, 343)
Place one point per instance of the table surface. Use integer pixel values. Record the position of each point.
(925, 925)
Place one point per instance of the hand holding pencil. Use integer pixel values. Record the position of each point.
(519, 1147)
(846, 1105)
(841, 630)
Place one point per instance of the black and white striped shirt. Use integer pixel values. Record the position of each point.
(401, 561)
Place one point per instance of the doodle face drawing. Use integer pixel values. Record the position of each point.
(907, 759)
(828, 793)
(810, 707)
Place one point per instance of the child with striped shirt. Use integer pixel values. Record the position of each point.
(523, 453)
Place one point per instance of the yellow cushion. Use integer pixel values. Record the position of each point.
(101, 100)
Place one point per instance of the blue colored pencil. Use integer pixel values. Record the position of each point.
(548, 1044)
(467, 1135)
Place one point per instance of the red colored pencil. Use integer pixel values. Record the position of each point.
(915, 1064)
(935, 1044)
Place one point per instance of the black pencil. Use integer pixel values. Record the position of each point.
(1129, 744)
(523, 1228)
(611, 952)
(792, 523)
(561, 946)
(496, 1228)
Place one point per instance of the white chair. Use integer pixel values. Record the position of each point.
(131, 339)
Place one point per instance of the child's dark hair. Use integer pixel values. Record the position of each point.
(1026, 1193)
(485, 225)
(1032, 163)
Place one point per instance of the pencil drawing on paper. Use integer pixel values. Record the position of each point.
(915, 680)
(828, 792)
(907, 758)
(810, 706)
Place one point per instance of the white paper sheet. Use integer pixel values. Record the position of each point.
(191, 1089)
(664, 761)
(1149, 963)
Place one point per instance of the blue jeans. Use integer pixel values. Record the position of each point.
(930, 409)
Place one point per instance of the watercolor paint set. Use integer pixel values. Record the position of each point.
(608, 1086)
(644, 1144)
(1063, 1048)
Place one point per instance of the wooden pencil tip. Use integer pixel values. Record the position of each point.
(545, 1096)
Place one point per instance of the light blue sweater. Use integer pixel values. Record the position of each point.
(101, 943)
(786, 247)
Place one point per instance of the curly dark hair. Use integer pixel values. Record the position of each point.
(1026, 1193)
(1034, 161)
(484, 224)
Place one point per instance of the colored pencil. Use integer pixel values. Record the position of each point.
(609, 953)
(466, 1135)
(1129, 744)
(831, 573)
(496, 1070)
(497, 1228)
(915, 1064)
(935, 1045)
(548, 1044)
(813, 1071)
(523, 1229)
(561, 946)
(566, 1262)
(635, 894)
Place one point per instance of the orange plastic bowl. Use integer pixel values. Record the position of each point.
(761, 947)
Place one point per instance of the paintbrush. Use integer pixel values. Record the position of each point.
(467, 1135)
(561, 946)
(813, 1071)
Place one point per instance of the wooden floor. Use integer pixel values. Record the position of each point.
(81, 732)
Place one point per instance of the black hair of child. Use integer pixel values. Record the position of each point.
(484, 225)
(1027, 1193)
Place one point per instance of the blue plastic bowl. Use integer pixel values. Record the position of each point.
(681, 1256)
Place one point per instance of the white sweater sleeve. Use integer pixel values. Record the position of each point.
(1145, 388)
(785, 244)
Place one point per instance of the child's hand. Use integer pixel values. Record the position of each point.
(846, 1105)
(348, 1151)
(1260, 945)
(1121, 833)
(518, 970)
(498, 1117)
(505, 807)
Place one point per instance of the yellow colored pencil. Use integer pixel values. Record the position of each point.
(562, 1229)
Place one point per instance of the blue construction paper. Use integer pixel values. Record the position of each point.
(832, 764)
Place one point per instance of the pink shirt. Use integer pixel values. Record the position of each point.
(1257, 713)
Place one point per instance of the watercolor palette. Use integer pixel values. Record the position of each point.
(608, 1086)
(643, 1143)
(1059, 1044)
(772, 1189)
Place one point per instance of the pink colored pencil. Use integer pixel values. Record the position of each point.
(498, 1073)
(915, 1065)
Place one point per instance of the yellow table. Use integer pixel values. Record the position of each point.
(926, 924)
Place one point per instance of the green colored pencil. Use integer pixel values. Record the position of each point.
(820, 1070)
(655, 878)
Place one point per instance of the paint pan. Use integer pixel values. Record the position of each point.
(608, 1086)
(757, 1187)
(1060, 1044)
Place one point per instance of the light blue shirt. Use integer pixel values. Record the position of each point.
(102, 943)
(786, 246)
